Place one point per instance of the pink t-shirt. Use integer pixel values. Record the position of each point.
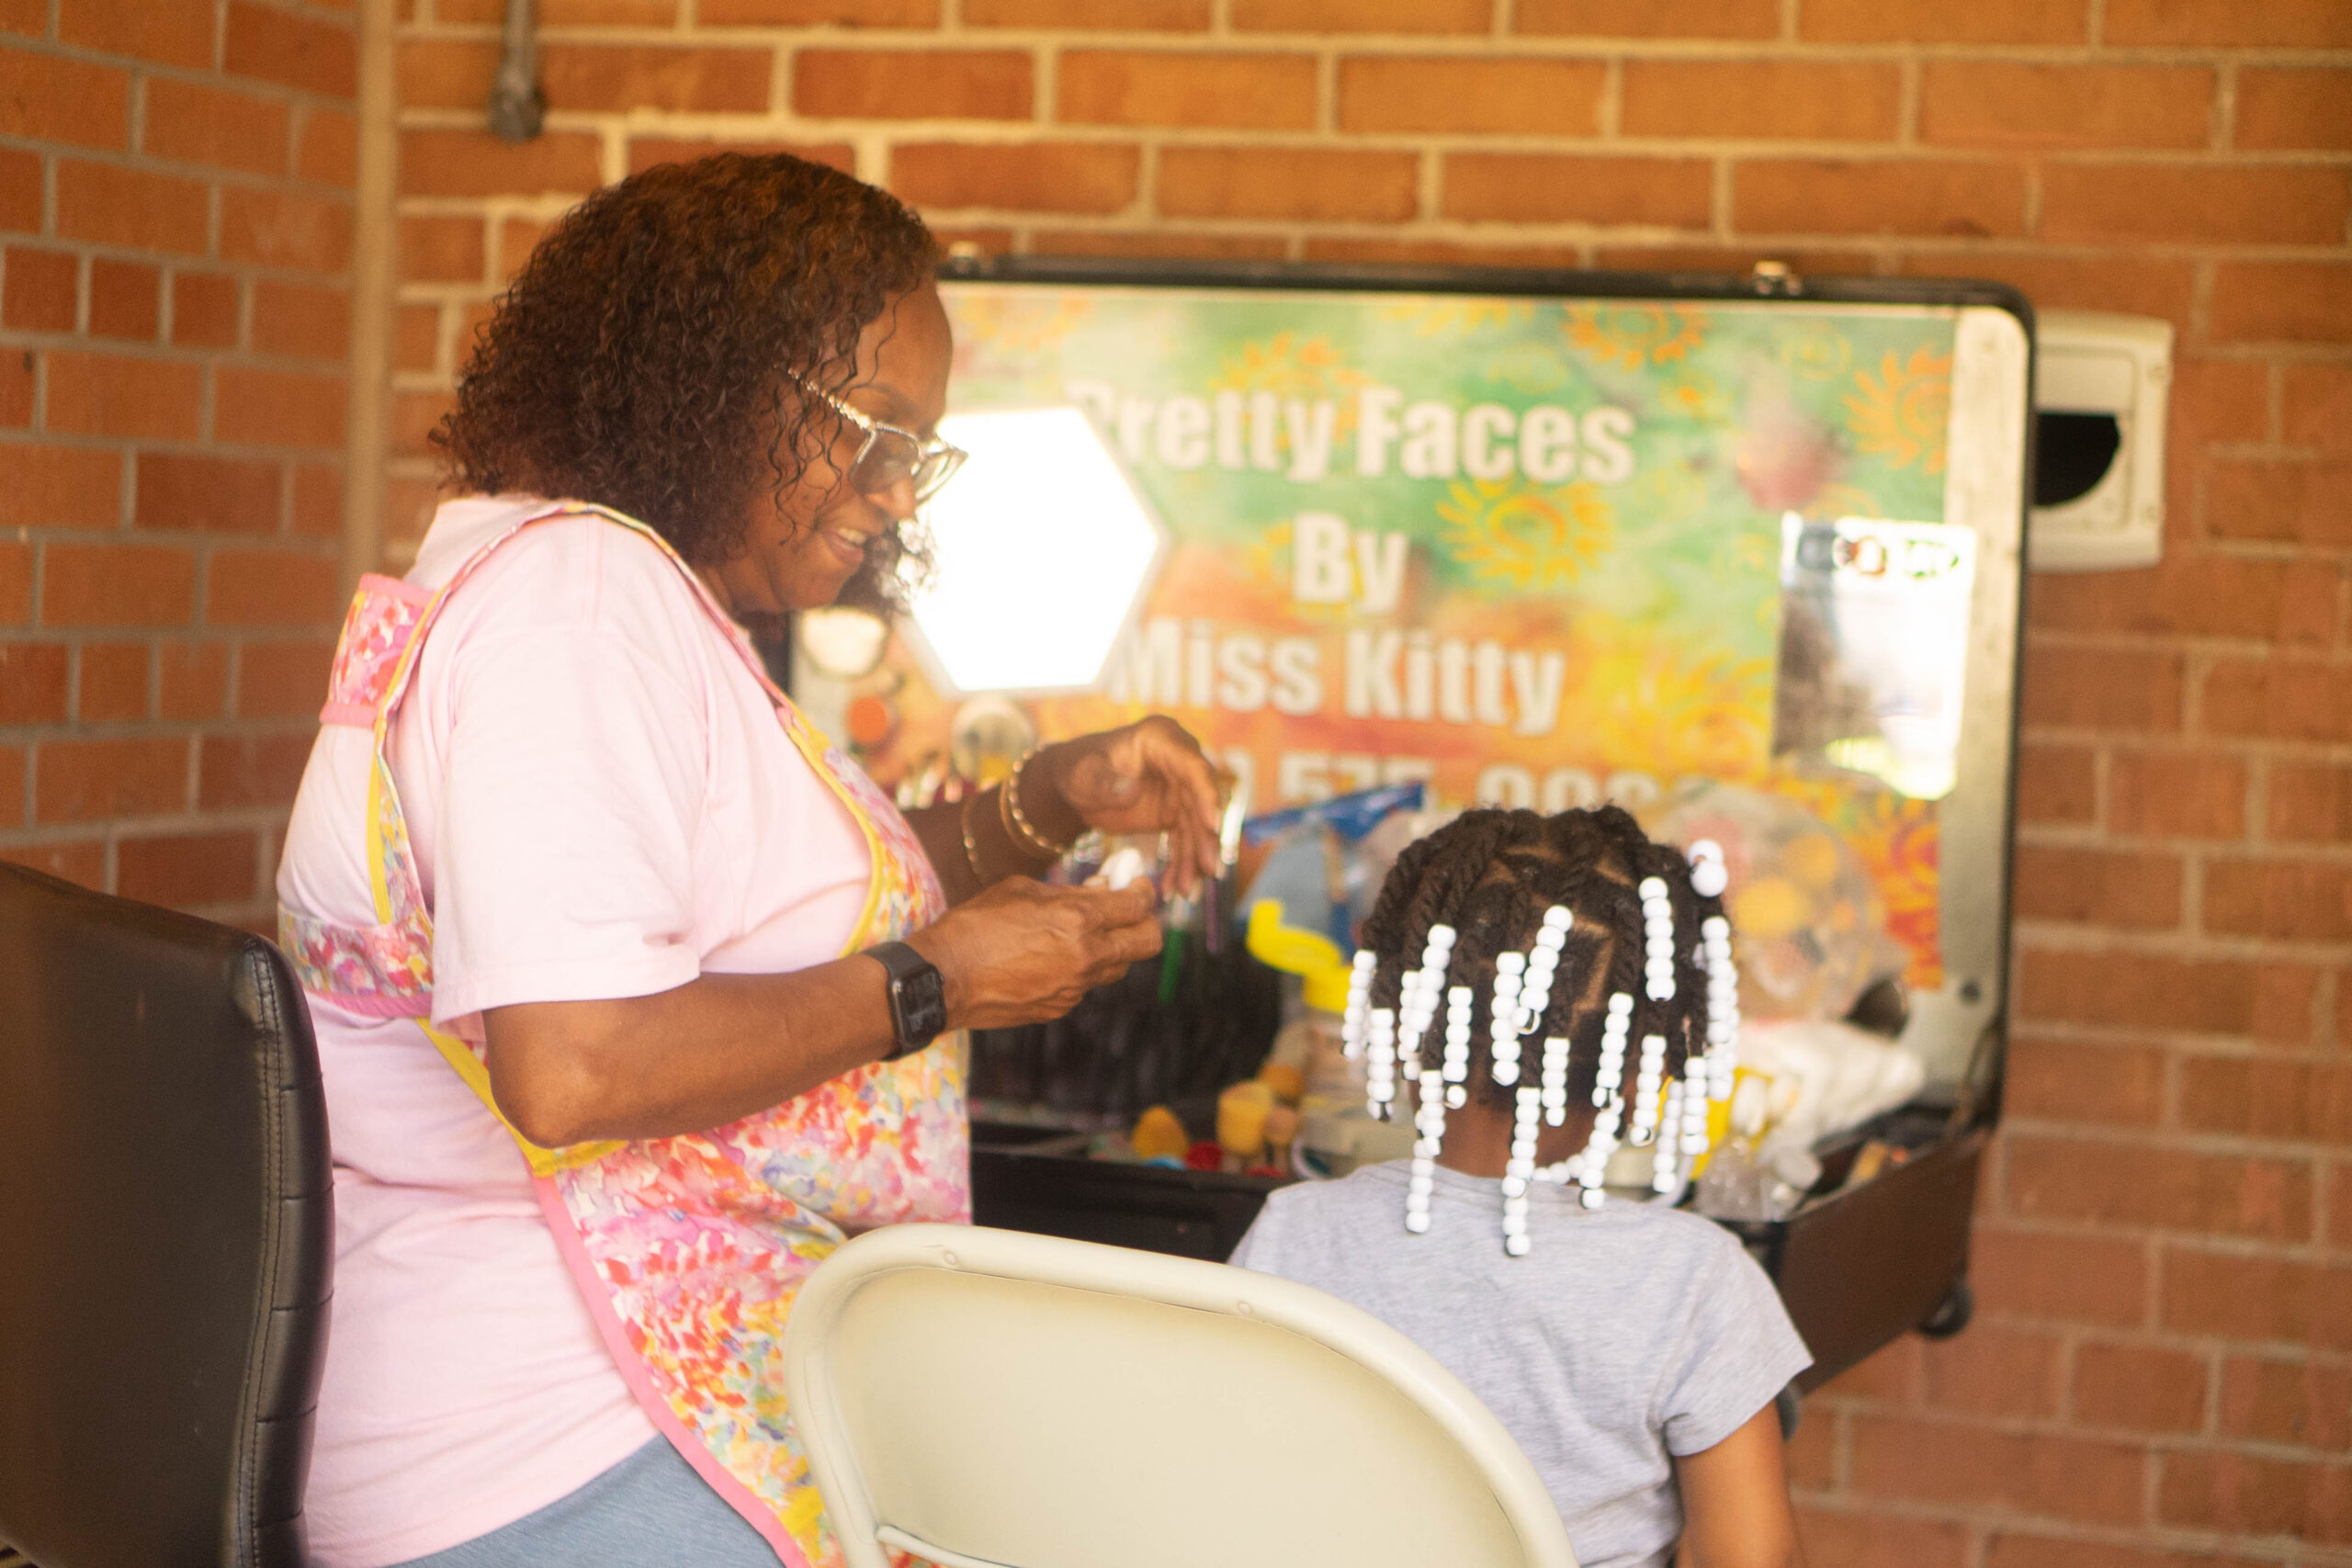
(602, 804)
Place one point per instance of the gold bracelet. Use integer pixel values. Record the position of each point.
(971, 848)
(1018, 825)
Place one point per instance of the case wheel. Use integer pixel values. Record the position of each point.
(1952, 1315)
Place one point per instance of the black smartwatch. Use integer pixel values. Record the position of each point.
(918, 997)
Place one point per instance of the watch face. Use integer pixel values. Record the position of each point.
(922, 1007)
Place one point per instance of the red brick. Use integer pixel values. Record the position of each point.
(2233, 206)
(111, 394)
(30, 17)
(113, 681)
(2263, 1098)
(2205, 997)
(644, 152)
(2319, 406)
(1545, 189)
(81, 860)
(126, 300)
(1164, 87)
(204, 311)
(2294, 109)
(517, 238)
(205, 125)
(445, 73)
(1787, 101)
(1873, 1540)
(2190, 795)
(12, 786)
(2251, 1296)
(878, 83)
(614, 79)
(2256, 1497)
(277, 408)
(179, 491)
(2064, 1477)
(60, 487)
(580, 13)
(2300, 502)
(282, 229)
(256, 588)
(2126, 1184)
(2282, 301)
(1054, 177)
(2339, 1197)
(34, 678)
(2292, 24)
(17, 387)
(2312, 803)
(1648, 18)
(186, 870)
(40, 290)
(1932, 21)
(2063, 1081)
(1125, 16)
(111, 206)
(1890, 1375)
(291, 51)
(2198, 594)
(409, 505)
(194, 682)
(2281, 899)
(2010, 1551)
(441, 250)
(849, 13)
(326, 147)
(1991, 1370)
(1829, 196)
(240, 770)
(2103, 688)
(318, 501)
(2131, 281)
(1362, 16)
(2143, 1387)
(302, 321)
(416, 338)
(173, 35)
(2290, 699)
(1308, 183)
(475, 163)
(415, 416)
(15, 583)
(2057, 785)
(1457, 93)
(19, 190)
(116, 585)
(46, 97)
(1153, 242)
(2298, 1403)
(1443, 253)
(2284, 996)
(2130, 889)
(1999, 104)
(88, 781)
(282, 680)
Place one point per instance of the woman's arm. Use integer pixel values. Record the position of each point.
(1736, 1500)
(722, 1047)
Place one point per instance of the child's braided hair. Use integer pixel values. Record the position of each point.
(1492, 874)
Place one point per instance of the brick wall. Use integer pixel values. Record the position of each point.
(2160, 1371)
(174, 236)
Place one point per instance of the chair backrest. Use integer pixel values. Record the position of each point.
(166, 1237)
(984, 1397)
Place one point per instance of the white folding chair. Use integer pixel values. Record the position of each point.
(991, 1398)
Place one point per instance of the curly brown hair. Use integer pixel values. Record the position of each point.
(644, 358)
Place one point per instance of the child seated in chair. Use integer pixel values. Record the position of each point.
(1550, 989)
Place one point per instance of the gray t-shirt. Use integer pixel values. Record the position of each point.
(1627, 1334)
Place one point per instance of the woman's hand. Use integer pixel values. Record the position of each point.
(1148, 777)
(1023, 952)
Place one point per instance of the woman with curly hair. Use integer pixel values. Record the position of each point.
(633, 996)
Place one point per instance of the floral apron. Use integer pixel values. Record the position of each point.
(688, 1250)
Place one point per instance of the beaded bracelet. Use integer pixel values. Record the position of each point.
(1017, 825)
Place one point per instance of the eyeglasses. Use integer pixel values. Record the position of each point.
(890, 456)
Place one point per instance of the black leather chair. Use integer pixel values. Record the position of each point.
(166, 1237)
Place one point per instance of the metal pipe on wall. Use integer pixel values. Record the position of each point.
(517, 107)
(365, 439)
